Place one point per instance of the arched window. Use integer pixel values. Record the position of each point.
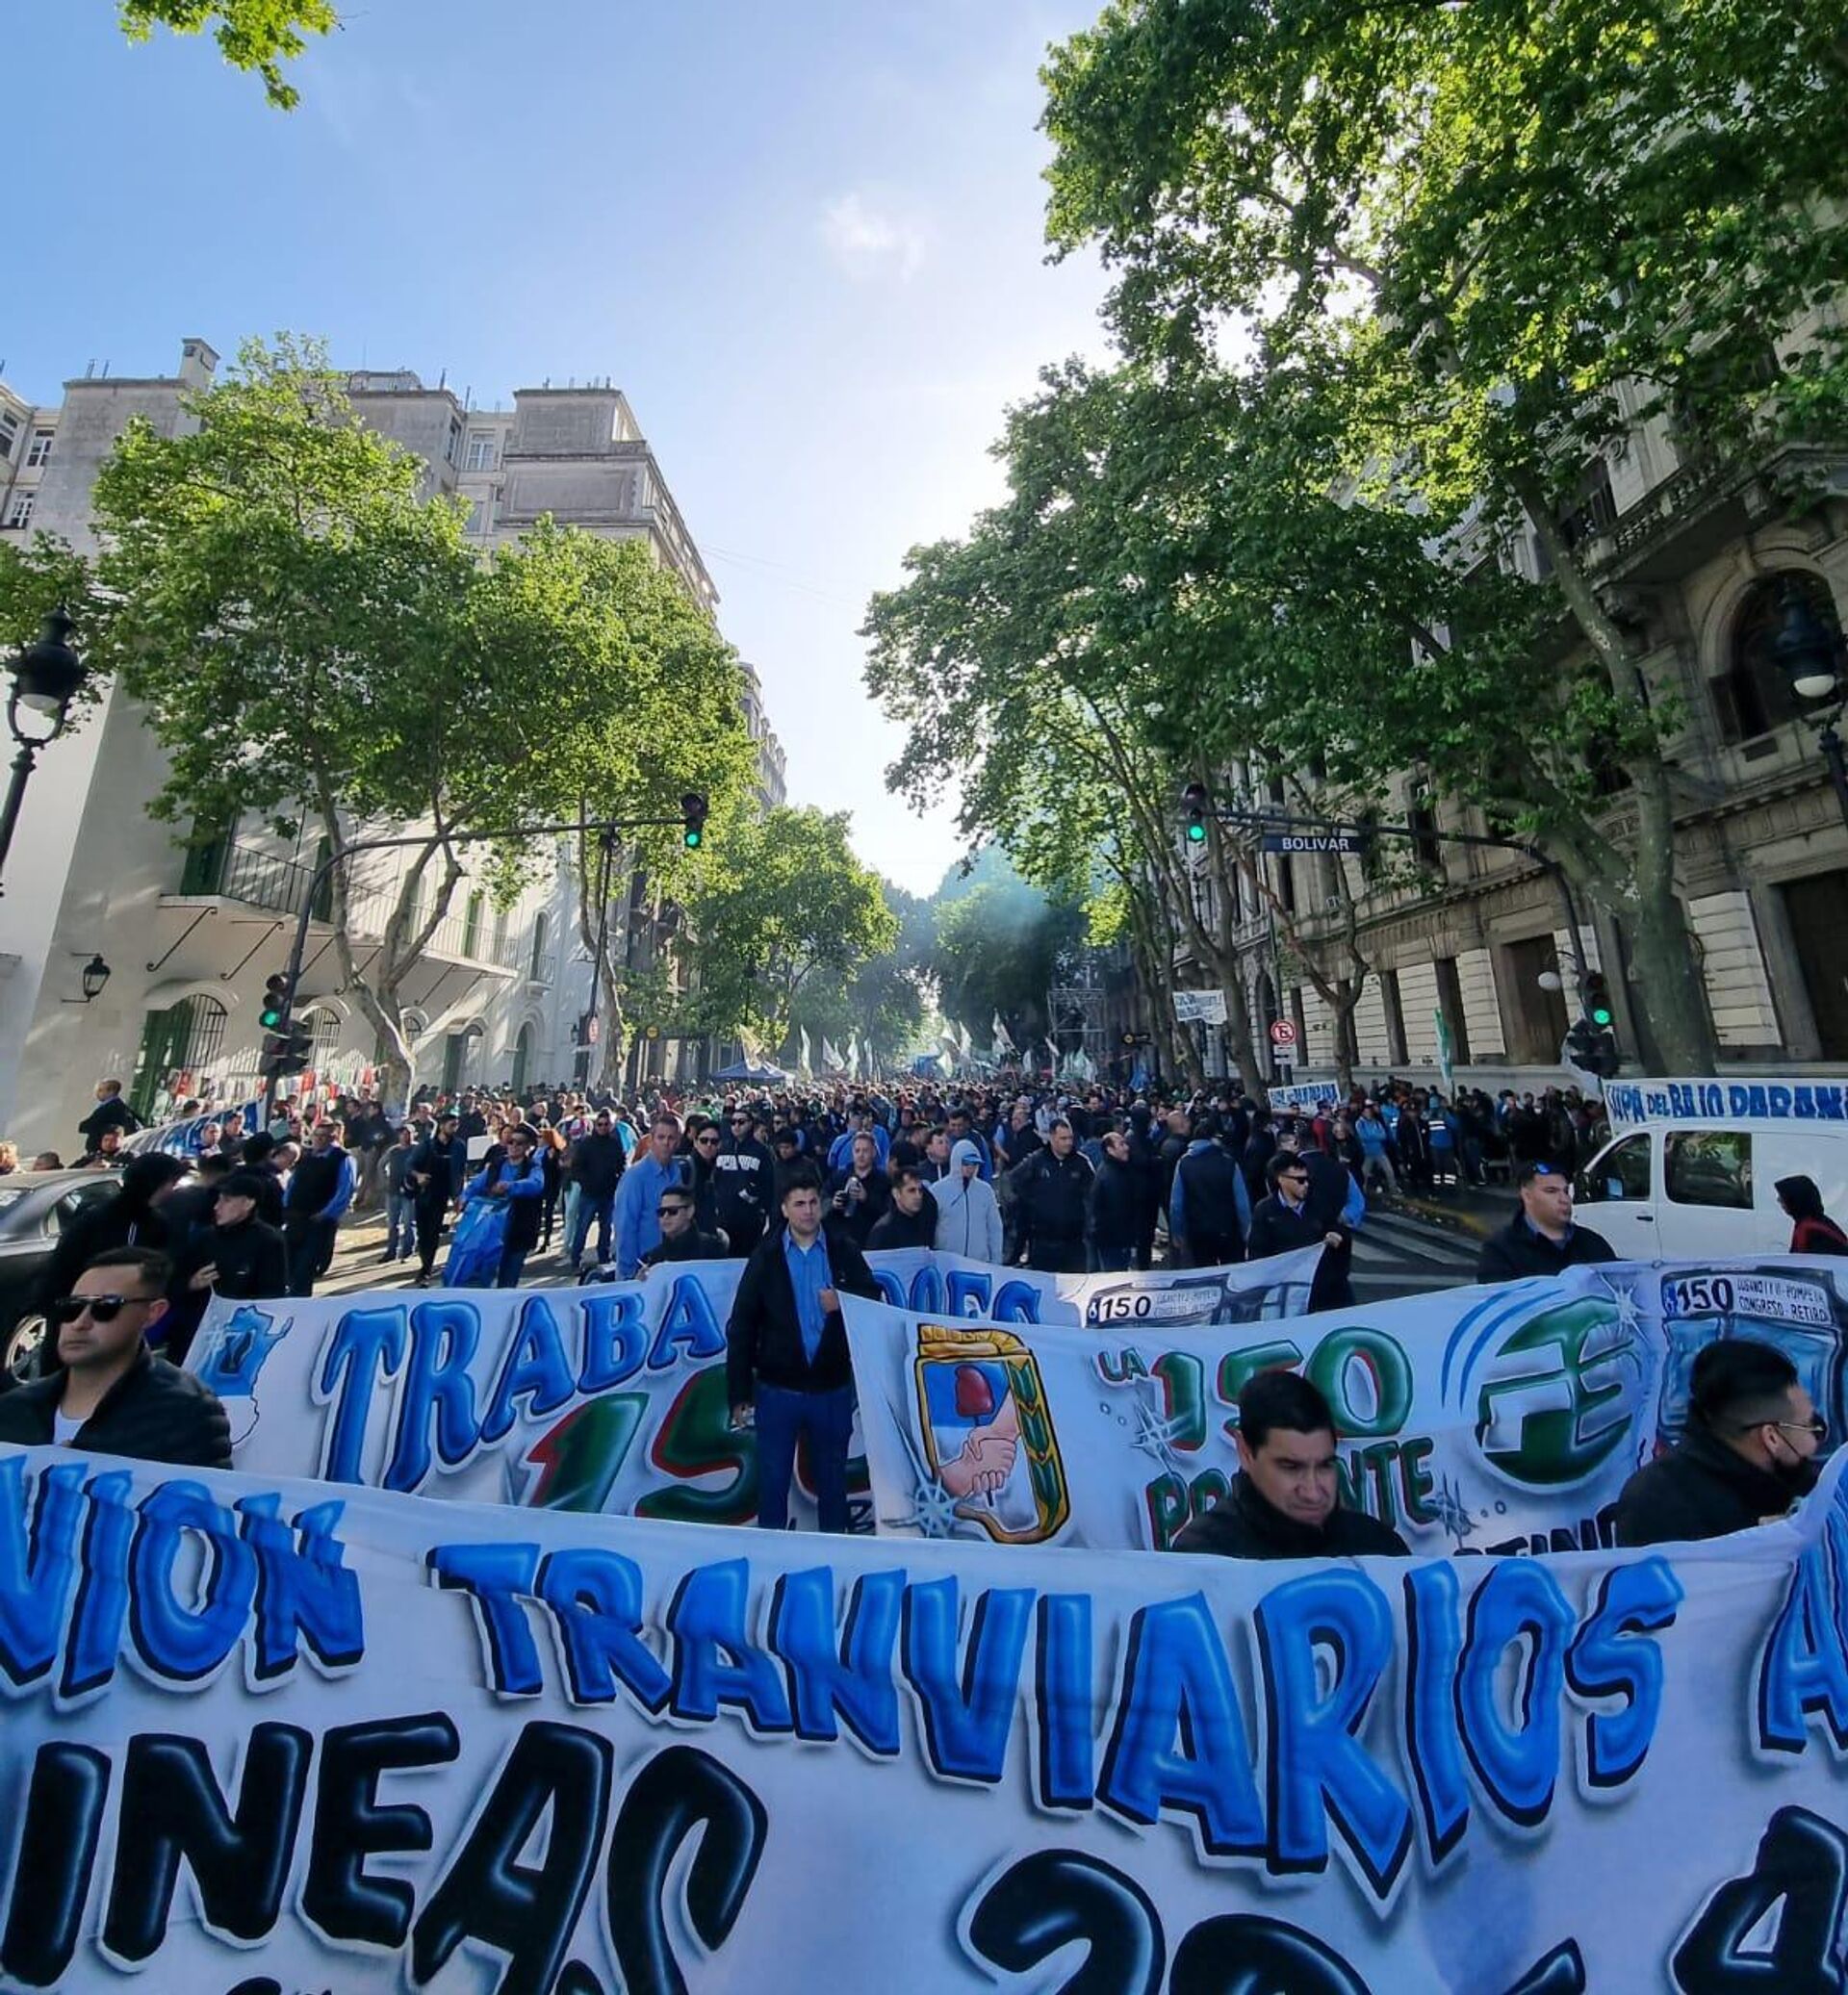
(326, 1023)
(471, 925)
(179, 1051)
(541, 969)
(1752, 696)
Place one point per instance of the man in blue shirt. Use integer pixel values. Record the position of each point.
(638, 1224)
(320, 1188)
(787, 1368)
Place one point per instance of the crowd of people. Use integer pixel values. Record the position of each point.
(801, 1185)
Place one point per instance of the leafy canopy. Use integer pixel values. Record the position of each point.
(252, 35)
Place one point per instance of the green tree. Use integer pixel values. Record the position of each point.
(996, 949)
(784, 908)
(313, 640)
(1510, 234)
(644, 701)
(252, 35)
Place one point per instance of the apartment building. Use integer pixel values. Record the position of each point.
(1696, 559)
(190, 931)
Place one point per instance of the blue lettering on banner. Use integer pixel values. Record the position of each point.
(1177, 1687)
(853, 1679)
(1318, 1770)
(182, 1578)
(430, 1348)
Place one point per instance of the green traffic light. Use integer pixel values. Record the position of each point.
(1603, 1015)
(693, 838)
(1197, 833)
(268, 1018)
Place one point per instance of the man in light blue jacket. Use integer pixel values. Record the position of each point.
(968, 1220)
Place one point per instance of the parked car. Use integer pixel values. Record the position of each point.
(36, 1206)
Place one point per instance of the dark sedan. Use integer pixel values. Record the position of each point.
(36, 1206)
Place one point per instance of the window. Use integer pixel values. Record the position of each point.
(1752, 696)
(40, 451)
(452, 449)
(327, 1029)
(482, 513)
(20, 514)
(540, 967)
(1709, 1166)
(1620, 1173)
(482, 453)
(9, 434)
(1421, 820)
(471, 925)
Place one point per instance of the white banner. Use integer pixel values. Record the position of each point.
(1495, 1420)
(606, 1398)
(1206, 1007)
(265, 1736)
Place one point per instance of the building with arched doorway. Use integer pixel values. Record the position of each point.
(1700, 564)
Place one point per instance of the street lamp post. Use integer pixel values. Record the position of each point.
(1810, 657)
(45, 678)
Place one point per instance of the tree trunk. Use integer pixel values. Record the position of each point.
(1667, 978)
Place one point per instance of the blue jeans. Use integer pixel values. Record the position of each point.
(602, 1211)
(399, 1224)
(783, 1416)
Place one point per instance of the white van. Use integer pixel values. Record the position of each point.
(1691, 1169)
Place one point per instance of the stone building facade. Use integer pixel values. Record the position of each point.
(1694, 560)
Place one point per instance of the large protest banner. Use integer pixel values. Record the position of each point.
(1481, 1420)
(269, 1736)
(606, 1398)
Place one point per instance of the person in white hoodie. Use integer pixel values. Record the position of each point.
(968, 1220)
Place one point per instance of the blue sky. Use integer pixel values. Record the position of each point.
(806, 238)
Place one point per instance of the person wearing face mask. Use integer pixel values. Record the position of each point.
(1749, 1452)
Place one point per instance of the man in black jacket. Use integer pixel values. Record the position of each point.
(1113, 1205)
(1749, 1452)
(1283, 1221)
(111, 1112)
(1052, 1192)
(858, 1194)
(682, 1238)
(132, 1219)
(1285, 1502)
(114, 1396)
(744, 1174)
(596, 1166)
(438, 1169)
(786, 1366)
(1541, 1238)
(911, 1220)
(237, 1256)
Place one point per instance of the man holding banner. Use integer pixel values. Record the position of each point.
(1285, 1501)
(788, 1372)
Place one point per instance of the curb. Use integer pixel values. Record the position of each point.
(1448, 1218)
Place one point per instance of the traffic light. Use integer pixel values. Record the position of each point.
(1597, 1003)
(1592, 1042)
(276, 1003)
(693, 811)
(287, 1050)
(1194, 803)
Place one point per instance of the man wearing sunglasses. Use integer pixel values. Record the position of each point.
(745, 1175)
(1541, 1238)
(1750, 1450)
(682, 1238)
(113, 1396)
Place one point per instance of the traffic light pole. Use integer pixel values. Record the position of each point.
(323, 873)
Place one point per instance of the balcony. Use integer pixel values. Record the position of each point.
(228, 870)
